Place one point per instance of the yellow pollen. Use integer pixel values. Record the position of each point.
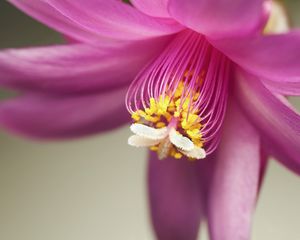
(154, 148)
(160, 124)
(177, 155)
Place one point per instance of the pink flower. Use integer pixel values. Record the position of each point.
(208, 84)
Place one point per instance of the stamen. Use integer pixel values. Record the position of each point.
(180, 98)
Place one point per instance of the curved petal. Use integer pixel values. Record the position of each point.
(155, 8)
(284, 87)
(76, 67)
(175, 198)
(235, 181)
(53, 117)
(278, 123)
(114, 19)
(264, 163)
(274, 57)
(220, 18)
(48, 15)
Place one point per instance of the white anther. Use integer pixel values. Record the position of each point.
(138, 141)
(181, 142)
(196, 152)
(149, 132)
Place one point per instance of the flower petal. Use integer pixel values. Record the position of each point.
(264, 163)
(76, 67)
(236, 179)
(283, 87)
(155, 8)
(114, 19)
(53, 117)
(278, 123)
(220, 18)
(46, 14)
(274, 57)
(175, 198)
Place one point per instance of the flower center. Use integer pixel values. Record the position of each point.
(178, 102)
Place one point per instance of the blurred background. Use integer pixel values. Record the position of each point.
(94, 188)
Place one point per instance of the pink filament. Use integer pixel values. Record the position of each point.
(190, 53)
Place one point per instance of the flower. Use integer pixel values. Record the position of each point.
(208, 84)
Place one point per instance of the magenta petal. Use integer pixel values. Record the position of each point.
(278, 123)
(76, 67)
(155, 8)
(264, 162)
(274, 57)
(236, 179)
(220, 18)
(175, 198)
(283, 87)
(114, 19)
(54, 117)
(43, 12)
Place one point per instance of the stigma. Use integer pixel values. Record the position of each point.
(177, 103)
